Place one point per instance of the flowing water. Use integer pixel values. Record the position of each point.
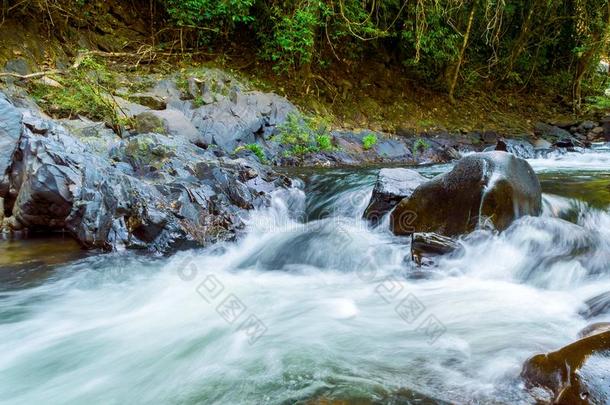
(312, 306)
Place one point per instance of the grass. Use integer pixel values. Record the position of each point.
(83, 91)
(600, 103)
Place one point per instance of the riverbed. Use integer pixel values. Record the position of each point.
(311, 305)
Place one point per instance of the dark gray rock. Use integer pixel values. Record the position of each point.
(485, 188)
(391, 187)
(149, 100)
(230, 123)
(10, 131)
(157, 193)
(550, 132)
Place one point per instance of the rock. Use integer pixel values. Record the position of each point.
(149, 100)
(519, 148)
(550, 132)
(605, 124)
(594, 329)
(542, 144)
(230, 123)
(389, 149)
(575, 374)
(148, 122)
(157, 193)
(392, 185)
(488, 187)
(598, 305)
(586, 126)
(426, 245)
(10, 131)
(170, 122)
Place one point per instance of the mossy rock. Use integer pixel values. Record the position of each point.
(147, 122)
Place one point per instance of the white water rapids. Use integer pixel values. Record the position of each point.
(314, 305)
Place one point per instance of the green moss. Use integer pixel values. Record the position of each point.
(145, 150)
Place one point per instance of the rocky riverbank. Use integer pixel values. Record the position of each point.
(189, 157)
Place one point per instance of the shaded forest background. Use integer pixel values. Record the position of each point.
(446, 50)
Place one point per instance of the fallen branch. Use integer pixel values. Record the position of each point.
(33, 75)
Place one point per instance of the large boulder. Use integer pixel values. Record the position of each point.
(391, 187)
(484, 188)
(575, 374)
(150, 192)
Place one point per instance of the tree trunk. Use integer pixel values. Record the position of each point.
(456, 73)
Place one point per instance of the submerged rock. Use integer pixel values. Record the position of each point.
(575, 374)
(392, 185)
(598, 305)
(485, 188)
(594, 329)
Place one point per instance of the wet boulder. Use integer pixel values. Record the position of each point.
(488, 188)
(575, 374)
(594, 329)
(391, 187)
(427, 245)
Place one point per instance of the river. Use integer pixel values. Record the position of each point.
(311, 305)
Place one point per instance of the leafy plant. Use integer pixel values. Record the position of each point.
(254, 148)
(420, 145)
(303, 135)
(368, 141)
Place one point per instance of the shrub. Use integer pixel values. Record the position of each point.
(254, 148)
(303, 135)
(420, 145)
(209, 16)
(368, 141)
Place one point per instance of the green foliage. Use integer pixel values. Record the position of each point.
(254, 148)
(420, 145)
(291, 43)
(510, 42)
(209, 16)
(303, 135)
(368, 141)
(84, 91)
